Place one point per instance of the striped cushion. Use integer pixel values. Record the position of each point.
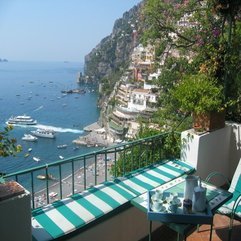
(67, 215)
(153, 176)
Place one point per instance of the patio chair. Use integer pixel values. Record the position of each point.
(231, 208)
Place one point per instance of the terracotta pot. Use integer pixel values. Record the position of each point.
(10, 189)
(209, 121)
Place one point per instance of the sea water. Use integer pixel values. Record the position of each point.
(34, 88)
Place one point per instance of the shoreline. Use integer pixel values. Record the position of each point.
(97, 137)
(40, 197)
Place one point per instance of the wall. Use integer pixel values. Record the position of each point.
(16, 218)
(129, 225)
(235, 146)
(218, 150)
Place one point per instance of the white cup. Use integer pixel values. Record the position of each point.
(157, 205)
(158, 194)
(173, 206)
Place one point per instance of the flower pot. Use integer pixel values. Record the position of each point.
(209, 121)
(10, 189)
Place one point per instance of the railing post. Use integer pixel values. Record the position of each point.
(47, 183)
(115, 163)
(72, 166)
(105, 165)
(32, 190)
(95, 169)
(60, 182)
(84, 172)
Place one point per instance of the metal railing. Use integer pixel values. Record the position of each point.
(58, 180)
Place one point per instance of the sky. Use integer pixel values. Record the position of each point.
(56, 30)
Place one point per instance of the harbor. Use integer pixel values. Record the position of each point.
(96, 137)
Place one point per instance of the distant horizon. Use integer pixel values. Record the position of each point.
(56, 30)
(44, 61)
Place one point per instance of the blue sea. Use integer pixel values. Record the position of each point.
(34, 88)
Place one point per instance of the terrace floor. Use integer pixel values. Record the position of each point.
(220, 232)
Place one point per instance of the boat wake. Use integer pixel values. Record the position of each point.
(58, 129)
(39, 108)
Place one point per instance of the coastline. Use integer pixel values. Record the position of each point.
(40, 197)
(97, 137)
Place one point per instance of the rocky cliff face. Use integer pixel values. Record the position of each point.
(112, 54)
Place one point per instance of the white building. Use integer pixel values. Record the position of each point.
(139, 99)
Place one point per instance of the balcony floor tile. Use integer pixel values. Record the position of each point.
(220, 232)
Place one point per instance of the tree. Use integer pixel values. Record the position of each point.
(8, 145)
(207, 34)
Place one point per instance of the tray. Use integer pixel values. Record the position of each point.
(179, 217)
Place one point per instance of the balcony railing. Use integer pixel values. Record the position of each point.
(58, 180)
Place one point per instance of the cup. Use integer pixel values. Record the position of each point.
(157, 205)
(172, 197)
(173, 206)
(187, 206)
(158, 194)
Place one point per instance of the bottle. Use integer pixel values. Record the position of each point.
(190, 183)
(199, 198)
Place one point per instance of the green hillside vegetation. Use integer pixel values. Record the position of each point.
(208, 45)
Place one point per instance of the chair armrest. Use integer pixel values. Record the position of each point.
(236, 203)
(212, 174)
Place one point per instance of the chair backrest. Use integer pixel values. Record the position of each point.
(236, 181)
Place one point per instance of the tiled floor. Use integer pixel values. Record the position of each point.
(220, 232)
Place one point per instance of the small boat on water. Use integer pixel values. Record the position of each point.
(61, 157)
(62, 146)
(22, 120)
(37, 159)
(53, 194)
(47, 133)
(30, 149)
(26, 155)
(45, 177)
(28, 137)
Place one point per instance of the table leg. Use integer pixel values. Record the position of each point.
(181, 237)
(150, 230)
(211, 232)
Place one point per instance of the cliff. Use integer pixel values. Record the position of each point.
(112, 54)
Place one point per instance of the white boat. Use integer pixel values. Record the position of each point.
(22, 120)
(61, 157)
(53, 194)
(37, 159)
(47, 133)
(45, 177)
(28, 137)
(62, 146)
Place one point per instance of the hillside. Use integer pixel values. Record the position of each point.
(112, 54)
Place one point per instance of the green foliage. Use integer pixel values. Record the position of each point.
(146, 151)
(198, 93)
(8, 145)
(210, 39)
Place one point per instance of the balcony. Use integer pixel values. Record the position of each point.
(222, 147)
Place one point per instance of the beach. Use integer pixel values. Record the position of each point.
(40, 197)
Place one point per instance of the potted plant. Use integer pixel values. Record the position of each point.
(201, 95)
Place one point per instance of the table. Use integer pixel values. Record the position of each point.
(216, 197)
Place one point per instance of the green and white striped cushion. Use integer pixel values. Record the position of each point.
(67, 215)
(153, 176)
